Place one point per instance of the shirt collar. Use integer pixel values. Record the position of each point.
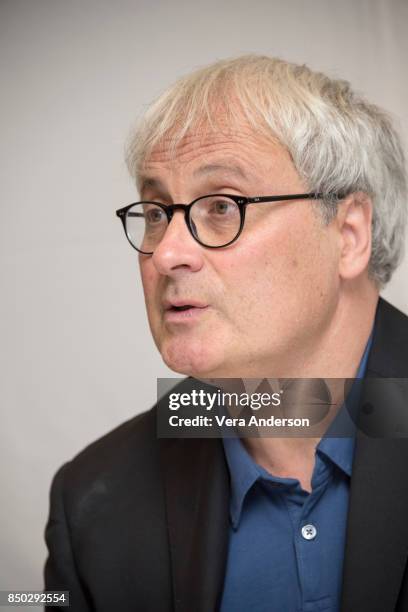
(244, 472)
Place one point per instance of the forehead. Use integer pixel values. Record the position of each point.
(240, 152)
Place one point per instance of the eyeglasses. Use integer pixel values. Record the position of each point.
(214, 221)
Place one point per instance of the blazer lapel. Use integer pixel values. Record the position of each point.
(197, 500)
(377, 528)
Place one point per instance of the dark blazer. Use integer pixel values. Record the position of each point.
(141, 524)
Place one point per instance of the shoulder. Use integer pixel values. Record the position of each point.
(132, 440)
(126, 457)
(130, 451)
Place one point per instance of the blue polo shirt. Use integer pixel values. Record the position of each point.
(286, 546)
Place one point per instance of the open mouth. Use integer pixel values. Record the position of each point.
(183, 312)
(180, 308)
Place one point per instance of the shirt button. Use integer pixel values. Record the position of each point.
(309, 532)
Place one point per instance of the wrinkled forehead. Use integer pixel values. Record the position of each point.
(234, 147)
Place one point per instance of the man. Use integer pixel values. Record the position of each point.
(249, 284)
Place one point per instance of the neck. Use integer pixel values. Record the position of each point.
(336, 354)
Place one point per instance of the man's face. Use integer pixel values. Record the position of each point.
(259, 303)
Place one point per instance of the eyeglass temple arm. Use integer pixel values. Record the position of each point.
(122, 213)
(296, 196)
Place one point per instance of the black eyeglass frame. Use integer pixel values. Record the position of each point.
(242, 203)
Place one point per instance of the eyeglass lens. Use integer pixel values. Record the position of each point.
(214, 221)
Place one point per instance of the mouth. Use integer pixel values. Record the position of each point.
(181, 308)
(183, 311)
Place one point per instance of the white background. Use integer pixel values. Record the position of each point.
(77, 358)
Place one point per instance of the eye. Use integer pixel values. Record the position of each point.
(154, 215)
(223, 208)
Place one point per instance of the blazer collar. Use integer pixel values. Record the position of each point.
(389, 351)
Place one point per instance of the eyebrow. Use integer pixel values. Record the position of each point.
(145, 182)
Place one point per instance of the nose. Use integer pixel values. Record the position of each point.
(177, 251)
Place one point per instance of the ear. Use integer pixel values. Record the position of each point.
(354, 226)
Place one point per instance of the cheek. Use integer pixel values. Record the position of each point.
(248, 286)
(279, 271)
(149, 279)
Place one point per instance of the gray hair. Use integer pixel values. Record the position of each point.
(337, 140)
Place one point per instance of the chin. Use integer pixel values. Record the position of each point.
(190, 357)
